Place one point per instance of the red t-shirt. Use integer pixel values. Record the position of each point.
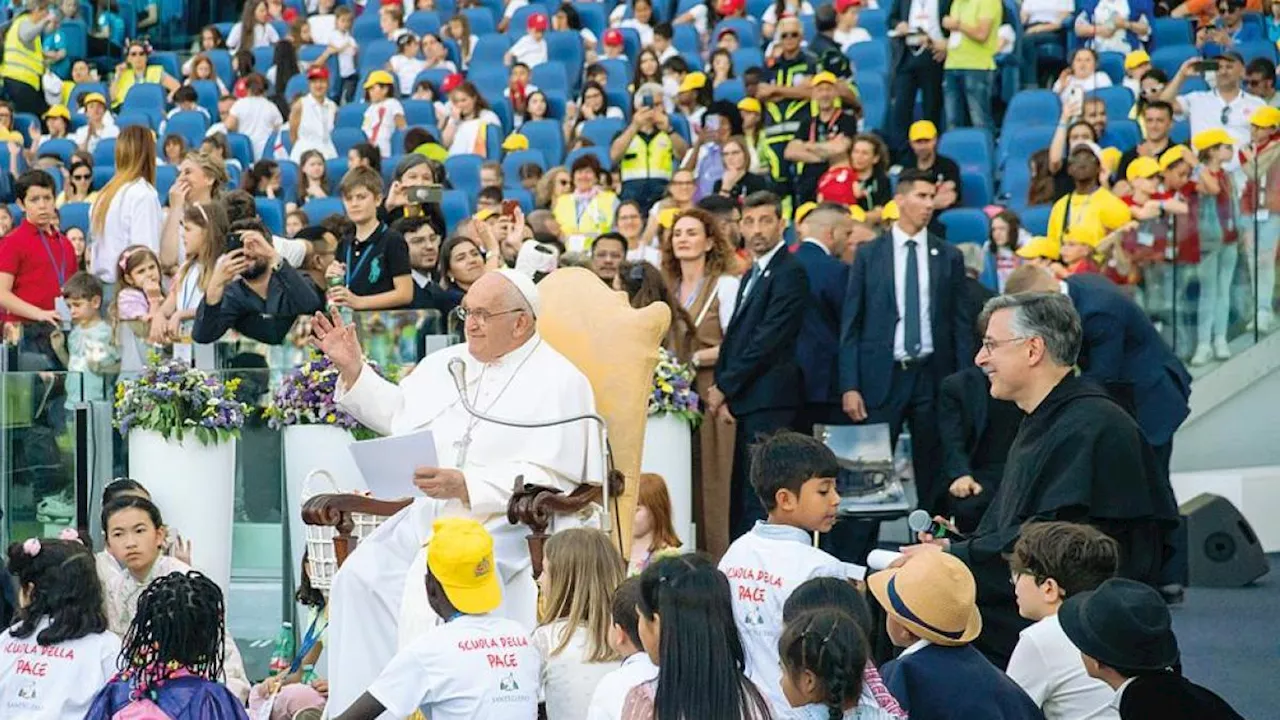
(838, 185)
(39, 266)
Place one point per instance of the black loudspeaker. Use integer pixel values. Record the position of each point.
(1222, 549)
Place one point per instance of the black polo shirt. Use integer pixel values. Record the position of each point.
(373, 265)
(944, 169)
(812, 128)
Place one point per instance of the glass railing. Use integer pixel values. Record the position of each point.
(58, 450)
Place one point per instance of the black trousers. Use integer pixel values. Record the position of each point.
(1173, 569)
(912, 399)
(915, 73)
(745, 507)
(25, 98)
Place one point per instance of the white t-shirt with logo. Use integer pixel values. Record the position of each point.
(764, 567)
(54, 682)
(611, 693)
(475, 667)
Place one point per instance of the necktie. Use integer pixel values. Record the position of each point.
(747, 282)
(911, 302)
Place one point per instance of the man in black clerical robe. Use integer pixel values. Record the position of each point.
(1077, 457)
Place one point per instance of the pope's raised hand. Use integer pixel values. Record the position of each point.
(337, 340)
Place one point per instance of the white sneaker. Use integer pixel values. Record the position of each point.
(1221, 350)
(56, 507)
(1266, 321)
(1203, 356)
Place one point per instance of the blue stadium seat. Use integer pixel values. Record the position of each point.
(602, 131)
(1171, 57)
(489, 49)
(490, 79)
(680, 125)
(745, 58)
(1119, 100)
(1036, 219)
(102, 175)
(731, 90)
(520, 195)
(166, 176)
(602, 154)
(619, 71)
(335, 169)
(684, 38)
(1257, 49)
(566, 46)
(518, 27)
(1170, 32)
(166, 60)
(367, 28)
(350, 115)
(271, 212)
(104, 154)
(875, 102)
(964, 224)
(264, 58)
(297, 86)
(757, 8)
(502, 108)
(512, 162)
(345, 138)
(1181, 132)
(77, 37)
(375, 55)
(241, 148)
(423, 22)
(318, 209)
(221, 60)
(135, 117)
(1123, 134)
(1015, 185)
(419, 112)
(1032, 107)
(630, 42)
(808, 27)
(547, 137)
(233, 174)
(146, 98)
(875, 22)
(969, 148)
(592, 15)
(1112, 63)
(435, 76)
(1019, 143)
(975, 188)
(74, 215)
(455, 205)
(463, 172)
(482, 21)
(62, 147)
(190, 124)
(550, 77)
(73, 99)
(207, 95)
(388, 173)
(870, 56)
(288, 180)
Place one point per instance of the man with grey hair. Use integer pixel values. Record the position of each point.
(1078, 457)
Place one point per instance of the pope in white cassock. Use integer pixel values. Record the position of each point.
(511, 374)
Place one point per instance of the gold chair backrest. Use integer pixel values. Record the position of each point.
(616, 347)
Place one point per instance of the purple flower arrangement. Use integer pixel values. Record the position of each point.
(172, 398)
(673, 391)
(305, 397)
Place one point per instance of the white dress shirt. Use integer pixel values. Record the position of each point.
(900, 238)
(1047, 666)
(1111, 709)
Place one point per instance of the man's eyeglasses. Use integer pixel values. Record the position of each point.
(482, 317)
(991, 346)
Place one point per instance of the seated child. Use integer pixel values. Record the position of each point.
(172, 656)
(110, 566)
(821, 651)
(1125, 637)
(652, 533)
(931, 610)
(624, 638)
(297, 689)
(794, 476)
(475, 664)
(1051, 562)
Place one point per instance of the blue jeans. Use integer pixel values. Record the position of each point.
(966, 95)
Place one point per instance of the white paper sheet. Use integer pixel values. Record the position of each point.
(388, 463)
(881, 559)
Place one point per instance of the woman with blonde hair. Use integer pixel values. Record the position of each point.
(201, 179)
(554, 183)
(702, 269)
(580, 570)
(204, 231)
(127, 211)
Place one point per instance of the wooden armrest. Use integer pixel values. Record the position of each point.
(534, 505)
(335, 510)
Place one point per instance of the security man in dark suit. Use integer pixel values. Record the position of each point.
(825, 232)
(905, 328)
(757, 379)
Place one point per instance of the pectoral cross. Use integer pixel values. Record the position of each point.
(461, 445)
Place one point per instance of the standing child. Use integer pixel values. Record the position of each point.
(821, 652)
(373, 262)
(1051, 562)
(652, 533)
(686, 626)
(172, 657)
(794, 476)
(580, 572)
(90, 354)
(624, 638)
(204, 232)
(342, 44)
(58, 651)
(1218, 222)
(385, 114)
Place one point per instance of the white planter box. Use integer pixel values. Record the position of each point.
(668, 451)
(194, 486)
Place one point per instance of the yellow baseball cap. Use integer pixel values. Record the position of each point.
(1111, 159)
(693, 81)
(749, 105)
(484, 214)
(11, 136)
(1137, 58)
(1172, 155)
(460, 558)
(379, 77)
(857, 213)
(1265, 117)
(58, 111)
(667, 217)
(92, 97)
(1143, 167)
(1081, 236)
(1040, 247)
(823, 77)
(889, 212)
(1206, 139)
(804, 210)
(922, 130)
(514, 142)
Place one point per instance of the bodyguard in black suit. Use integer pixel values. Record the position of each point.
(904, 329)
(757, 379)
(825, 231)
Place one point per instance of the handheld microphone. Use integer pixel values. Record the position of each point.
(921, 522)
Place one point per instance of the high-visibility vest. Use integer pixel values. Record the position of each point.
(595, 219)
(650, 159)
(20, 63)
(127, 79)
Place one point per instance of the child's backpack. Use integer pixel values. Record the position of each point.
(141, 709)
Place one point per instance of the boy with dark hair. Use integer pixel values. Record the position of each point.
(662, 34)
(90, 353)
(637, 667)
(794, 476)
(373, 262)
(1051, 562)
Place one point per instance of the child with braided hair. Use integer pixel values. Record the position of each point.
(172, 657)
(58, 651)
(823, 652)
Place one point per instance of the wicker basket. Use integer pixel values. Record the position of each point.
(322, 561)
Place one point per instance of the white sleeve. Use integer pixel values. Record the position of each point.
(145, 217)
(404, 685)
(110, 654)
(1027, 668)
(373, 400)
(233, 37)
(727, 291)
(293, 251)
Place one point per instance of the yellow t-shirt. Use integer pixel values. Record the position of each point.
(1097, 213)
(966, 54)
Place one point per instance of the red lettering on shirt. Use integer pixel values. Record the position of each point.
(502, 661)
(58, 653)
(754, 595)
(34, 669)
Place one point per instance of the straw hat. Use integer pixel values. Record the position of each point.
(933, 595)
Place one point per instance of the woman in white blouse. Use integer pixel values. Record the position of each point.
(254, 29)
(127, 211)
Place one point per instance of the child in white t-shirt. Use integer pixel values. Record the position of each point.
(1052, 561)
(407, 63)
(385, 114)
(58, 652)
(580, 572)
(624, 638)
(342, 44)
(794, 476)
(1082, 77)
(532, 48)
